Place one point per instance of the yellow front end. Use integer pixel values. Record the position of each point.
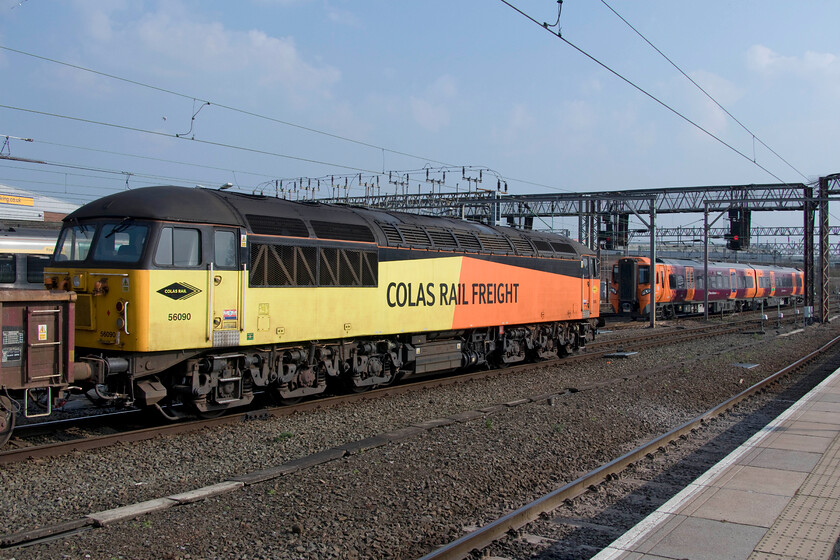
(140, 310)
(109, 306)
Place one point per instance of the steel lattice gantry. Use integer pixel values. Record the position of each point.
(495, 207)
(492, 206)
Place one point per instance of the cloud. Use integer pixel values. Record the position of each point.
(96, 17)
(706, 112)
(342, 17)
(812, 64)
(171, 40)
(212, 47)
(431, 110)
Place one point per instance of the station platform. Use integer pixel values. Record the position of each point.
(775, 497)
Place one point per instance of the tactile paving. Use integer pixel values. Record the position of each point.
(810, 524)
(831, 490)
(811, 532)
(794, 548)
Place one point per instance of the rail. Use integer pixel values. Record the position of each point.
(484, 536)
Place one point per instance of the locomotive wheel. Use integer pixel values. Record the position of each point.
(7, 419)
(282, 401)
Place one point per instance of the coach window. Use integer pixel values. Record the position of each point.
(7, 268)
(178, 247)
(224, 248)
(35, 268)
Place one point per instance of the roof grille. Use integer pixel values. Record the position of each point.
(563, 248)
(442, 238)
(543, 246)
(392, 234)
(344, 232)
(414, 235)
(272, 225)
(467, 240)
(495, 243)
(522, 246)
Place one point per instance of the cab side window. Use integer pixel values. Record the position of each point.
(178, 247)
(224, 249)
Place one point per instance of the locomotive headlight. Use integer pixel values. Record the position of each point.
(77, 281)
(646, 292)
(120, 323)
(120, 306)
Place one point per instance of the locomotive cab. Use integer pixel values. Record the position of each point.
(119, 269)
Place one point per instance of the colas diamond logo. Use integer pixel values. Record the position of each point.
(179, 290)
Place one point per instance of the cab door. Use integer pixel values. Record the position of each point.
(225, 286)
(587, 265)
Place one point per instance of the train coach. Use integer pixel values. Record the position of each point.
(681, 286)
(23, 255)
(199, 297)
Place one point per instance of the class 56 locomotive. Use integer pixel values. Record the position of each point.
(197, 299)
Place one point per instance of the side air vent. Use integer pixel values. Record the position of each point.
(272, 225)
(344, 232)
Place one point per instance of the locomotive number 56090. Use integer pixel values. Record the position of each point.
(179, 316)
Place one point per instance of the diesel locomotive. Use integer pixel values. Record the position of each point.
(201, 298)
(681, 286)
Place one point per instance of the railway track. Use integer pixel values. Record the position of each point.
(363, 454)
(532, 529)
(124, 433)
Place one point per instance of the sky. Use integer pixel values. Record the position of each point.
(113, 94)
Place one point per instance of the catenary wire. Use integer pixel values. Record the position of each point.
(220, 105)
(706, 93)
(175, 136)
(150, 158)
(643, 91)
(256, 115)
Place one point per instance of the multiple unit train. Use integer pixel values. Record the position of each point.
(681, 286)
(197, 297)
